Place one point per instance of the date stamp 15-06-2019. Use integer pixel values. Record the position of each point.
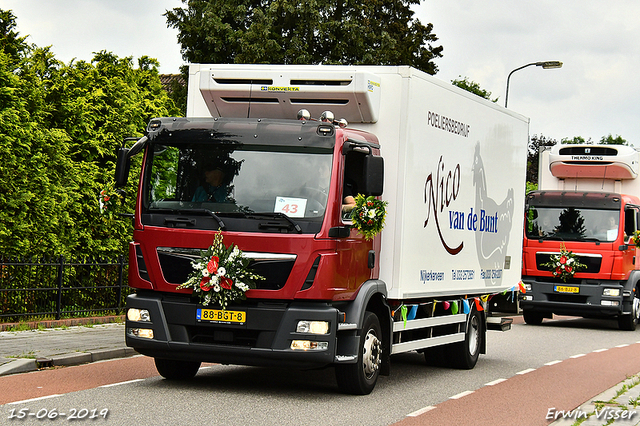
(54, 413)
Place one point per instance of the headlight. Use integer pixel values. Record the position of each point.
(611, 292)
(134, 314)
(313, 327)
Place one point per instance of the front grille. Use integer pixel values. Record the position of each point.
(210, 335)
(176, 267)
(567, 298)
(592, 262)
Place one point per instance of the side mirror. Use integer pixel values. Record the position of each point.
(373, 175)
(122, 167)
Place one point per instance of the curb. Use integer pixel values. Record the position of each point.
(8, 326)
(22, 365)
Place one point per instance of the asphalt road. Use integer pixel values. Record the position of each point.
(525, 372)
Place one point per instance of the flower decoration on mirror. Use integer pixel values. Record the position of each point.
(368, 215)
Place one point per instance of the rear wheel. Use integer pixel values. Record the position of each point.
(176, 370)
(360, 378)
(464, 355)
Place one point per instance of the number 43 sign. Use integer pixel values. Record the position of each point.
(292, 207)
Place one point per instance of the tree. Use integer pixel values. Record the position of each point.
(99, 104)
(60, 126)
(473, 87)
(610, 140)
(34, 191)
(576, 140)
(10, 43)
(536, 145)
(304, 32)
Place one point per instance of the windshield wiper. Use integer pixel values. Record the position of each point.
(550, 237)
(212, 214)
(597, 240)
(198, 211)
(277, 215)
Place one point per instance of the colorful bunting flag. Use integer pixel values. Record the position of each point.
(522, 288)
(403, 312)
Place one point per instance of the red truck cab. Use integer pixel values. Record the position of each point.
(596, 227)
(312, 261)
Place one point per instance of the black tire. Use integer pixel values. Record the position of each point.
(630, 321)
(176, 370)
(464, 355)
(435, 356)
(360, 378)
(532, 318)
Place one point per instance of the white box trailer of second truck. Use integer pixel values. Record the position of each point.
(450, 165)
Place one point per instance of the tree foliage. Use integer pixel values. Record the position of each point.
(304, 32)
(610, 140)
(576, 140)
(605, 140)
(473, 87)
(536, 144)
(60, 126)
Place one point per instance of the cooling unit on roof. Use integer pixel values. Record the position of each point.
(276, 94)
(594, 161)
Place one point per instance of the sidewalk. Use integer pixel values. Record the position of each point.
(617, 406)
(25, 351)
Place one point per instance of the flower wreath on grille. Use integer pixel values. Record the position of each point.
(565, 264)
(222, 275)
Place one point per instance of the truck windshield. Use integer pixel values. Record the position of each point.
(572, 224)
(238, 179)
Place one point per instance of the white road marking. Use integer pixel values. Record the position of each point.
(495, 382)
(461, 394)
(121, 383)
(421, 411)
(34, 399)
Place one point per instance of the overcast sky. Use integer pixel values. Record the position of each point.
(594, 94)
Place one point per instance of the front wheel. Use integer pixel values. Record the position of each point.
(630, 321)
(532, 318)
(360, 378)
(176, 370)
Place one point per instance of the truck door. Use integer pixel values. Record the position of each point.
(631, 223)
(353, 251)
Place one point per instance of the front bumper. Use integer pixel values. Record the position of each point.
(549, 298)
(264, 339)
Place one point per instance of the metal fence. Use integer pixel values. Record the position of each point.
(61, 288)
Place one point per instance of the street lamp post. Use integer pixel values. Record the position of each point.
(545, 65)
